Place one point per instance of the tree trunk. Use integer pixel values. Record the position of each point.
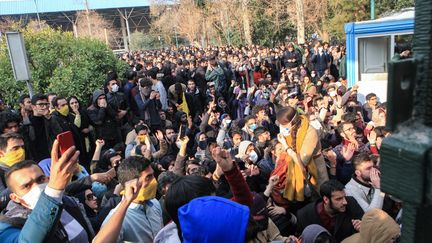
(246, 22)
(300, 22)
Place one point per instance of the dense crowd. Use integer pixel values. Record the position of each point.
(222, 144)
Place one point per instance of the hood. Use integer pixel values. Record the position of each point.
(377, 226)
(242, 149)
(311, 232)
(223, 221)
(96, 95)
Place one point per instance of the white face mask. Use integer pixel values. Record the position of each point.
(253, 156)
(115, 88)
(284, 131)
(227, 122)
(32, 197)
(178, 144)
(332, 93)
(313, 75)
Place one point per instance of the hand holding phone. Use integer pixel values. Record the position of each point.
(65, 140)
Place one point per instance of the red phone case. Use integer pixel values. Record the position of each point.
(65, 141)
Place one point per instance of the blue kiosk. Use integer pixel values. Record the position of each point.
(370, 45)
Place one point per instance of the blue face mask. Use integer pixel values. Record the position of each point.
(252, 127)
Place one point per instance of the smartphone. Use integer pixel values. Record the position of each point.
(65, 140)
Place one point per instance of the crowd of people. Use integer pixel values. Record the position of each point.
(217, 144)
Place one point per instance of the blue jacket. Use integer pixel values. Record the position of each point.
(38, 225)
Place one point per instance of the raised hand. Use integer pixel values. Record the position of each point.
(348, 151)
(222, 158)
(375, 177)
(62, 168)
(372, 137)
(132, 188)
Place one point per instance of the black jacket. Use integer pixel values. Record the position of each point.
(104, 121)
(343, 226)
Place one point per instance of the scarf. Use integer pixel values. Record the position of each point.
(291, 179)
(183, 106)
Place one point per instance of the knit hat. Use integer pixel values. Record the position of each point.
(311, 232)
(259, 210)
(242, 149)
(213, 219)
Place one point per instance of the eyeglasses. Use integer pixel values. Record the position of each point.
(42, 104)
(90, 197)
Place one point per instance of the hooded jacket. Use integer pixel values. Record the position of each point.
(104, 120)
(377, 227)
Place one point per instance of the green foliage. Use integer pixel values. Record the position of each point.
(385, 6)
(60, 63)
(344, 11)
(142, 41)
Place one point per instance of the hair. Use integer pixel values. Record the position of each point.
(73, 97)
(23, 97)
(286, 115)
(18, 166)
(370, 95)
(381, 131)
(257, 109)
(141, 127)
(131, 75)
(340, 127)
(360, 159)
(54, 102)
(8, 117)
(4, 138)
(330, 186)
(182, 191)
(37, 97)
(145, 82)
(131, 168)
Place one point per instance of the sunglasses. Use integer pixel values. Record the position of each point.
(90, 197)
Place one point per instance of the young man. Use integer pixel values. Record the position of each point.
(336, 212)
(39, 211)
(365, 186)
(369, 107)
(143, 218)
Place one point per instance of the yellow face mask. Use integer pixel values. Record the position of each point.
(141, 138)
(146, 193)
(64, 111)
(12, 157)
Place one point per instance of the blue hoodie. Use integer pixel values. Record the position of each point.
(213, 219)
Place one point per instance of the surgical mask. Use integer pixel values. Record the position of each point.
(284, 131)
(228, 122)
(178, 144)
(32, 197)
(202, 144)
(12, 157)
(332, 93)
(64, 111)
(313, 75)
(253, 156)
(252, 127)
(115, 88)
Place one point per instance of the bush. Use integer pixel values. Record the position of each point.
(59, 63)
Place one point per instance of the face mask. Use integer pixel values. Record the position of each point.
(253, 156)
(114, 88)
(228, 122)
(141, 138)
(202, 144)
(148, 192)
(64, 111)
(12, 157)
(332, 93)
(252, 127)
(313, 75)
(284, 131)
(178, 144)
(32, 197)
